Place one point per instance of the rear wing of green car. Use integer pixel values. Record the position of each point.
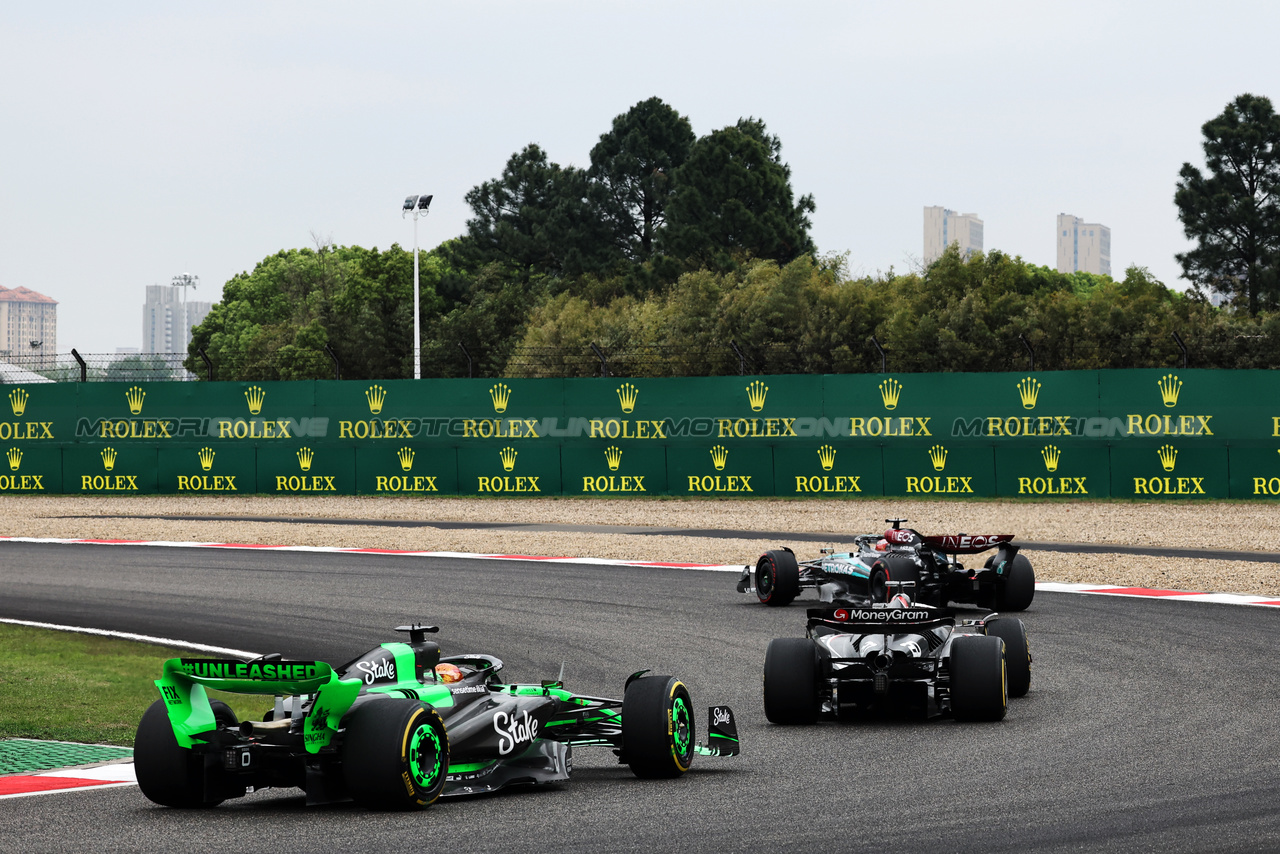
(185, 681)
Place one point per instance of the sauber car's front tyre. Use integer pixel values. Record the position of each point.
(777, 577)
(657, 727)
(1018, 587)
(1017, 653)
(979, 689)
(170, 775)
(893, 568)
(395, 755)
(791, 681)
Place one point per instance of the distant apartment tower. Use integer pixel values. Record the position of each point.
(167, 320)
(943, 227)
(1083, 246)
(28, 323)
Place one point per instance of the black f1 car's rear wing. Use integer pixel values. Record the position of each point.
(867, 620)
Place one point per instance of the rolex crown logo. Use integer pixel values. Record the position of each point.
(1051, 456)
(206, 458)
(890, 391)
(508, 456)
(254, 396)
(613, 457)
(1168, 456)
(376, 395)
(719, 456)
(1029, 390)
(500, 393)
(827, 456)
(755, 395)
(108, 458)
(1170, 386)
(305, 456)
(15, 458)
(627, 394)
(405, 455)
(135, 396)
(938, 456)
(18, 401)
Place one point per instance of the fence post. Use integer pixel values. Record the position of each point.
(1031, 354)
(604, 364)
(337, 365)
(1181, 346)
(84, 369)
(742, 360)
(884, 362)
(208, 364)
(463, 348)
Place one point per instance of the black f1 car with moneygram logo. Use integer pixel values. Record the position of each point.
(399, 726)
(1005, 582)
(896, 659)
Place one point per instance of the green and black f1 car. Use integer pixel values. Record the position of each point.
(398, 727)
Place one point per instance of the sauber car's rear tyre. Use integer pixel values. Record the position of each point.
(777, 577)
(1017, 653)
(658, 731)
(791, 681)
(978, 684)
(893, 568)
(1019, 585)
(170, 775)
(395, 755)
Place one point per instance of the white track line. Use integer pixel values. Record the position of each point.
(199, 647)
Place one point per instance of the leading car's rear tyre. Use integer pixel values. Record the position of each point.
(657, 727)
(791, 681)
(978, 684)
(1017, 653)
(395, 755)
(170, 775)
(777, 577)
(1018, 587)
(897, 569)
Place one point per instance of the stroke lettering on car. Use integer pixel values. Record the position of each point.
(514, 730)
(375, 670)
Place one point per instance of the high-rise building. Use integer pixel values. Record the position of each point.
(167, 320)
(1083, 246)
(943, 227)
(28, 323)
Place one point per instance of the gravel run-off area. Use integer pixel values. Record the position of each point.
(1217, 525)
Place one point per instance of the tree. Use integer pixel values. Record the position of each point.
(733, 197)
(632, 167)
(1233, 212)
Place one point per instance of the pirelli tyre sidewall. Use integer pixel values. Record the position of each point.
(395, 754)
(1017, 652)
(174, 776)
(893, 568)
(658, 729)
(791, 681)
(777, 577)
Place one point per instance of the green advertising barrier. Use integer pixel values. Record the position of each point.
(612, 469)
(1052, 468)
(509, 469)
(1198, 405)
(950, 469)
(407, 468)
(211, 468)
(38, 413)
(118, 468)
(316, 468)
(720, 468)
(1177, 468)
(33, 468)
(836, 469)
(1255, 469)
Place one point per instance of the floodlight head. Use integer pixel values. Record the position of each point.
(424, 202)
(410, 203)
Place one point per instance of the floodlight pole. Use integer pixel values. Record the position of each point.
(418, 206)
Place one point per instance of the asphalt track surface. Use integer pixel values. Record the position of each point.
(1150, 726)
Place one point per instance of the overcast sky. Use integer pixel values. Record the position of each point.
(142, 140)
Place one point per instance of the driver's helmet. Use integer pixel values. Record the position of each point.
(900, 600)
(447, 672)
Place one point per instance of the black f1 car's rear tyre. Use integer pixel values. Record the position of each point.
(395, 755)
(791, 681)
(978, 684)
(1017, 653)
(1019, 586)
(658, 730)
(173, 776)
(777, 577)
(893, 568)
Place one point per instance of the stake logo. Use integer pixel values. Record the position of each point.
(1170, 387)
(405, 456)
(1028, 391)
(755, 395)
(500, 394)
(135, 396)
(206, 458)
(514, 730)
(108, 458)
(376, 395)
(827, 456)
(938, 456)
(890, 391)
(1168, 457)
(627, 394)
(613, 457)
(254, 396)
(719, 456)
(305, 456)
(18, 401)
(1051, 456)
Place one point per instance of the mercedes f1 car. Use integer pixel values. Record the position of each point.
(896, 660)
(1005, 582)
(398, 727)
